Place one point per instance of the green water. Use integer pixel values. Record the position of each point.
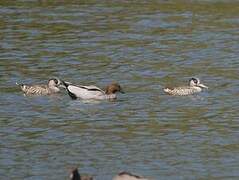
(143, 45)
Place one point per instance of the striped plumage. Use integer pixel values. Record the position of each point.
(128, 176)
(182, 91)
(194, 87)
(42, 89)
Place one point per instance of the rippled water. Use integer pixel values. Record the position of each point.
(144, 45)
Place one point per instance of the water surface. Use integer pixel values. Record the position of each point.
(142, 45)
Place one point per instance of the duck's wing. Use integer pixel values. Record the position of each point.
(92, 88)
(84, 92)
(68, 85)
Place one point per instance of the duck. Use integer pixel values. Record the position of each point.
(92, 92)
(128, 176)
(194, 86)
(76, 176)
(52, 87)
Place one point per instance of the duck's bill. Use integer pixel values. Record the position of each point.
(203, 86)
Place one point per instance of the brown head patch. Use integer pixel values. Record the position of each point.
(113, 88)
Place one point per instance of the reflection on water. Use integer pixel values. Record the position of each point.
(144, 46)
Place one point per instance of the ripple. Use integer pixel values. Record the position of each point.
(144, 46)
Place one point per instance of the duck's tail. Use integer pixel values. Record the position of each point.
(65, 84)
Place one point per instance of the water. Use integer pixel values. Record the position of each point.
(142, 45)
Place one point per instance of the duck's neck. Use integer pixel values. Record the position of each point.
(107, 92)
(110, 96)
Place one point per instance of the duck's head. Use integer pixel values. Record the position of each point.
(113, 88)
(196, 82)
(54, 82)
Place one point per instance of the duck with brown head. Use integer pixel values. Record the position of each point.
(92, 92)
(42, 89)
(113, 88)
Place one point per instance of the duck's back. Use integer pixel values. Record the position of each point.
(86, 92)
(36, 89)
(182, 91)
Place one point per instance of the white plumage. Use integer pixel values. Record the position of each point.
(92, 92)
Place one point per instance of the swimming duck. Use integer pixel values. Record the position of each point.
(92, 92)
(42, 89)
(194, 87)
(76, 176)
(128, 176)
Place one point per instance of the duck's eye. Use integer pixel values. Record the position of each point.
(195, 80)
(56, 81)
